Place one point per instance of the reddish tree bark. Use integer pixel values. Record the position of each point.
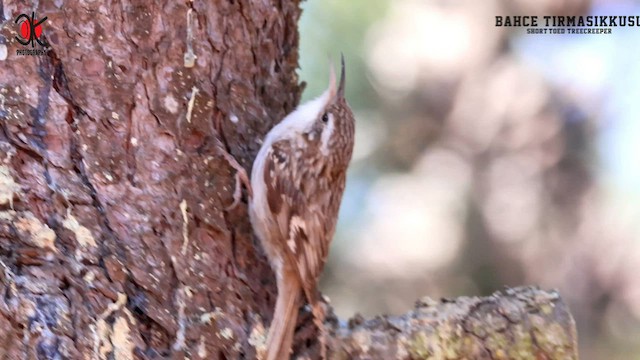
(118, 239)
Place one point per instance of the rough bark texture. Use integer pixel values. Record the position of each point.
(522, 323)
(115, 241)
(119, 241)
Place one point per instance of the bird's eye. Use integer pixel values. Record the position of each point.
(325, 117)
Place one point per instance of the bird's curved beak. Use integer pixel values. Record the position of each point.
(342, 78)
(337, 93)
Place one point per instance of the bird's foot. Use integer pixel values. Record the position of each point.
(241, 178)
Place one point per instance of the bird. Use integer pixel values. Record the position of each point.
(298, 179)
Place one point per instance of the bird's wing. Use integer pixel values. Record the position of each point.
(300, 197)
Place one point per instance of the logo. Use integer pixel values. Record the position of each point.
(590, 24)
(30, 33)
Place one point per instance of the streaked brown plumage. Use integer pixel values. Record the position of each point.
(298, 179)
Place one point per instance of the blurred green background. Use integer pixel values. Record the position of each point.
(486, 157)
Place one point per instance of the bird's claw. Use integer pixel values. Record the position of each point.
(241, 178)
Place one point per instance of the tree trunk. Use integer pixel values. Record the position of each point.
(117, 235)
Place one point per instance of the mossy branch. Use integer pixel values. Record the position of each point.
(521, 323)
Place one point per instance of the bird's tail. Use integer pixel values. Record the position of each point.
(280, 337)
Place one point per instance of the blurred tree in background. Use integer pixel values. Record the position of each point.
(480, 161)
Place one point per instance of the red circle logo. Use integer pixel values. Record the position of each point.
(30, 30)
(25, 29)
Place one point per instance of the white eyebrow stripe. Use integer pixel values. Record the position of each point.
(298, 121)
